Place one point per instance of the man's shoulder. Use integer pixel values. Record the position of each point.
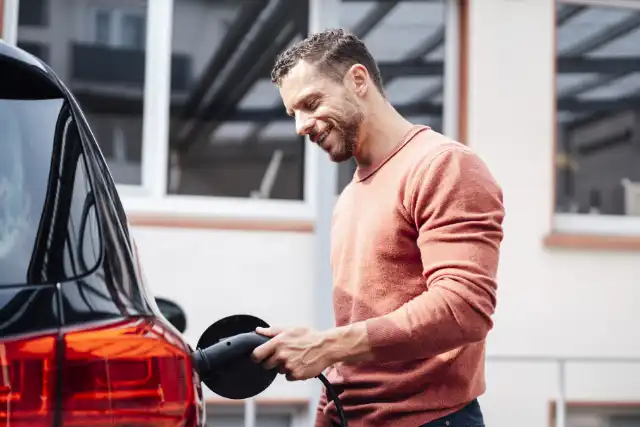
(440, 167)
(431, 144)
(431, 147)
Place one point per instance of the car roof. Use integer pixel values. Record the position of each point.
(49, 82)
(17, 54)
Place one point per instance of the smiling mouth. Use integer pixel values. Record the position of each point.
(323, 135)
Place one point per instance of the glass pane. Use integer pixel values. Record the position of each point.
(407, 38)
(273, 420)
(133, 32)
(230, 135)
(237, 420)
(598, 110)
(103, 27)
(107, 79)
(48, 229)
(225, 420)
(33, 13)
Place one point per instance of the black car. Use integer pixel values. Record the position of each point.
(82, 339)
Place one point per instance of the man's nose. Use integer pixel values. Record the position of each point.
(304, 124)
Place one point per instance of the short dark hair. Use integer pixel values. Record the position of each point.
(334, 51)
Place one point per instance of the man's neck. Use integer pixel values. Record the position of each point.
(385, 130)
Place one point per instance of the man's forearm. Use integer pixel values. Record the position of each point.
(349, 343)
(435, 322)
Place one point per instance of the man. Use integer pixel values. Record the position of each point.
(415, 247)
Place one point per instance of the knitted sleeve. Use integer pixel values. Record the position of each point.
(457, 208)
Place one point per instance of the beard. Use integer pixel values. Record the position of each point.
(347, 131)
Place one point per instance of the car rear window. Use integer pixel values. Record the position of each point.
(48, 227)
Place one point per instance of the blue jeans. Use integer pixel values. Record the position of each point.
(469, 416)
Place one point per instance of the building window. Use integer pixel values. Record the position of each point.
(597, 156)
(202, 129)
(272, 414)
(33, 13)
(409, 41)
(100, 55)
(229, 134)
(584, 414)
(119, 28)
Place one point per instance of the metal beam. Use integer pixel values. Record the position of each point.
(229, 44)
(302, 18)
(416, 56)
(566, 65)
(428, 46)
(276, 114)
(605, 36)
(373, 18)
(100, 105)
(254, 62)
(594, 42)
(567, 13)
(390, 70)
(431, 109)
(589, 85)
(586, 106)
(222, 151)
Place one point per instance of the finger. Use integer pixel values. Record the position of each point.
(273, 362)
(268, 332)
(263, 351)
(290, 376)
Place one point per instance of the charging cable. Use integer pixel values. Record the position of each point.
(333, 396)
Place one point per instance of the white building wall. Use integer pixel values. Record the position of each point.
(212, 274)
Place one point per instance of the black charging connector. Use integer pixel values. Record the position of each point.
(213, 359)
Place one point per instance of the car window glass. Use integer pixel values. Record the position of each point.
(48, 228)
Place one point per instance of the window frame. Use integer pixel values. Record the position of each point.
(297, 409)
(596, 409)
(151, 197)
(576, 224)
(116, 16)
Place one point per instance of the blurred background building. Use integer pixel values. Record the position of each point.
(231, 210)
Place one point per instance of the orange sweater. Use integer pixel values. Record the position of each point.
(415, 251)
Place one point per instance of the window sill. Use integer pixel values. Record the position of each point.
(189, 212)
(239, 224)
(594, 232)
(592, 242)
(261, 401)
(597, 225)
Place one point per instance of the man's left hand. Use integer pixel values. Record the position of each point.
(299, 353)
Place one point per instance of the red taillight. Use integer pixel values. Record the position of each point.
(26, 381)
(134, 373)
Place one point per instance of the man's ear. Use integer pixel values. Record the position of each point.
(358, 77)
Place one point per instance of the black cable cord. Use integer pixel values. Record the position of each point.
(334, 397)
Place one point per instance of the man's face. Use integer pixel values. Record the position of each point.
(323, 109)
